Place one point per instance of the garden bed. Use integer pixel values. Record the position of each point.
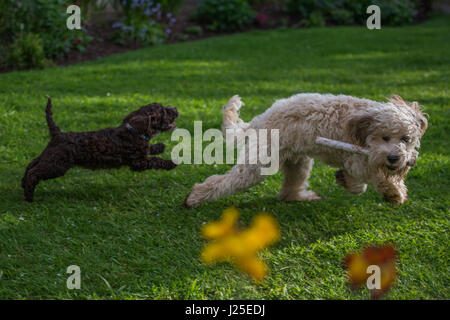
(266, 15)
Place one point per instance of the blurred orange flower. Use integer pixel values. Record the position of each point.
(240, 247)
(381, 258)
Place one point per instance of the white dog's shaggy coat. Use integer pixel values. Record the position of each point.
(390, 130)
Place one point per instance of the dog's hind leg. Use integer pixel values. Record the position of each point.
(152, 163)
(30, 166)
(295, 183)
(239, 178)
(42, 169)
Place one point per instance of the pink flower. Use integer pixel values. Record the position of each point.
(77, 40)
(261, 18)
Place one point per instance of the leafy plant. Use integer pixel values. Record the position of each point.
(144, 21)
(396, 12)
(316, 19)
(144, 34)
(342, 16)
(303, 8)
(255, 3)
(194, 30)
(224, 15)
(46, 19)
(171, 5)
(393, 12)
(26, 52)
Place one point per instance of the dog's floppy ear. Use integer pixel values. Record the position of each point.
(139, 123)
(421, 119)
(423, 123)
(358, 128)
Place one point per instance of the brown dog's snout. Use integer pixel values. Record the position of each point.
(172, 113)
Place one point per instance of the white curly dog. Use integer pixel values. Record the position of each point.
(390, 130)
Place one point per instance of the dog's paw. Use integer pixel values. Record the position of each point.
(187, 203)
(196, 196)
(157, 148)
(190, 201)
(29, 198)
(395, 198)
(169, 165)
(307, 195)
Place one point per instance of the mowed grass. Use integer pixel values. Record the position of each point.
(128, 232)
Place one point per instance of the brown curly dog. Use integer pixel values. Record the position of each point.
(126, 145)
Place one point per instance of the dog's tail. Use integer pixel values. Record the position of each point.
(231, 118)
(54, 129)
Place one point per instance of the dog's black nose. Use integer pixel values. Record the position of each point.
(393, 158)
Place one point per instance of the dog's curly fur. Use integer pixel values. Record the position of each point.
(390, 130)
(125, 145)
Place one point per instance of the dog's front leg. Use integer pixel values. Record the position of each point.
(152, 163)
(352, 185)
(157, 148)
(392, 191)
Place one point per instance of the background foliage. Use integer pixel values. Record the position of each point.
(149, 22)
(348, 12)
(224, 15)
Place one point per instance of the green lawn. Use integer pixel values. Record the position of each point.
(128, 232)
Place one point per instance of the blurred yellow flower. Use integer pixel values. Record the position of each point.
(240, 247)
(253, 266)
(223, 227)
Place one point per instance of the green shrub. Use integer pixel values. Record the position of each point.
(304, 8)
(260, 2)
(8, 23)
(26, 52)
(44, 17)
(171, 5)
(194, 30)
(224, 15)
(396, 12)
(146, 22)
(316, 19)
(342, 16)
(165, 5)
(345, 12)
(2, 56)
(357, 7)
(139, 32)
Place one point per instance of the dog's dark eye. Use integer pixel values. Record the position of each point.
(406, 139)
(386, 139)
